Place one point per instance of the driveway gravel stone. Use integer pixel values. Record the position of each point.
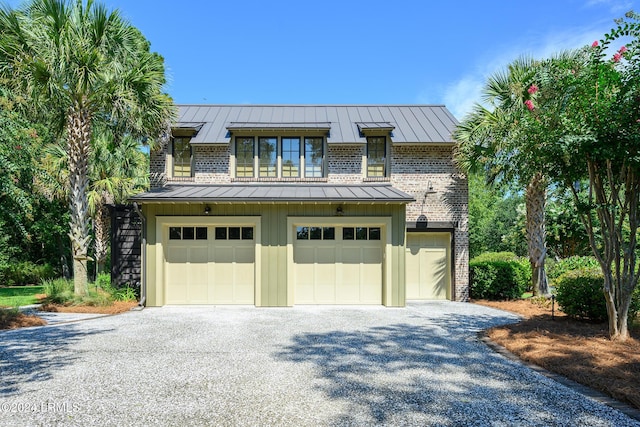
(303, 366)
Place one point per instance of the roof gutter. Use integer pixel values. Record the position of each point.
(143, 267)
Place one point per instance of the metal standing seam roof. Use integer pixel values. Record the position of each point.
(344, 123)
(276, 192)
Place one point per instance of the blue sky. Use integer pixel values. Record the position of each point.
(352, 51)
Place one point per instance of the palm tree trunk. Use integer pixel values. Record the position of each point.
(536, 194)
(79, 137)
(101, 231)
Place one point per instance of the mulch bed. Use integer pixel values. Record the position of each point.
(578, 350)
(9, 319)
(115, 308)
(12, 320)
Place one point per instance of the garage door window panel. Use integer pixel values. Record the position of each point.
(234, 233)
(175, 233)
(221, 233)
(374, 233)
(247, 233)
(201, 233)
(329, 233)
(188, 233)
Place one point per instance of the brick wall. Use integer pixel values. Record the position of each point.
(344, 163)
(211, 164)
(157, 167)
(431, 177)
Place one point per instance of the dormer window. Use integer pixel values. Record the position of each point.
(244, 157)
(268, 154)
(287, 157)
(182, 157)
(376, 156)
(290, 157)
(313, 157)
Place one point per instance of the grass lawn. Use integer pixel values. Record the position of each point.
(13, 296)
(580, 351)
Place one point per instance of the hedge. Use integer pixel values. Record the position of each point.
(580, 294)
(498, 276)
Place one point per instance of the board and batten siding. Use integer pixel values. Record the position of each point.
(273, 263)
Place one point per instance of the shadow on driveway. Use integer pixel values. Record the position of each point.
(33, 354)
(435, 372)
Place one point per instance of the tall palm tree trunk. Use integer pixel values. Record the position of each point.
(79, 137)
(101, 227)
(535, 195)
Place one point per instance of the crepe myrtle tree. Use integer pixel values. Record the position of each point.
(84, 65)
(595, 96)
(491, 140)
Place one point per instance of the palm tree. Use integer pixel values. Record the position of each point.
(117, 172)
(88, 66)
(493, 138)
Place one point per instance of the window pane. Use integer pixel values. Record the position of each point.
(175, 233)
(329, 233)
(347, 233)
(188, 233)
(290, 157)
(376, 154)
(302, 233)
(268, 156)
(201, 233)
(181, 153)
(374, 233)
(244, 157)
(234, 233)
(221, 233)
(313, 157)
(361, 233)
(315, 233)
(247, 233)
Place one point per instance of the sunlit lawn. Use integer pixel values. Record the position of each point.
(13, 296)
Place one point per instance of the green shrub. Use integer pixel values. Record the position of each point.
(25, 273)
(579, 294)
(125, 293)
(103, 281)
(496, 256)
(59, 291)
(558, 268)
(498, 276)
(100, 293)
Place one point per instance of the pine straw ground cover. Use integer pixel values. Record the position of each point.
(13, 319)
(574, 349)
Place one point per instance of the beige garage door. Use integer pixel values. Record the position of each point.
(210, 265)
(428, 267)
(337, 265)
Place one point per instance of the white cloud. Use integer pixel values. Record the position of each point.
(460, 95)
(615, 6)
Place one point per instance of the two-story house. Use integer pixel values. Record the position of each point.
(279, 205)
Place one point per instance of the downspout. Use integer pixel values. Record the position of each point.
(143, 269)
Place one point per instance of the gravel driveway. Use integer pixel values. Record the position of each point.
(419, 365)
